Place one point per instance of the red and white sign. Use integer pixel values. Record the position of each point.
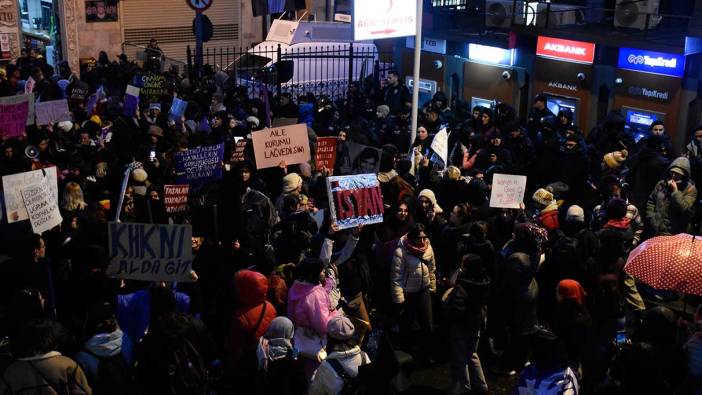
(375, 19)
(568, 50)
(175, 198)
(5, 46)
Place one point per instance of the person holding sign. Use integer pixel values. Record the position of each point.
(413, 278)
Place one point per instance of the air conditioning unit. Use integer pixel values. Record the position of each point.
(633, 14)
(499, 13)
(557, 15)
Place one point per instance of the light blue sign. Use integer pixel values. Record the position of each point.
(652, 62)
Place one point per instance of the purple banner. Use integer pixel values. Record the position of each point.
(13, 119)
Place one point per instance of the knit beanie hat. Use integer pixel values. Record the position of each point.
(340, 328)
(543, 197)
(383, 110)
(139, 175)
(575, 214)
(615, 159)
(429, 194)
(291, 182)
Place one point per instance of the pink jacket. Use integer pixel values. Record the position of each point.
(309, 306)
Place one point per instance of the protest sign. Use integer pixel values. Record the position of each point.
(440, 145)
(325, 154)
(199, 165)
(80, 91)
(355, 200)
(353, 158)
(15, 112)
(239, 151)
(41, 206)
(13, 184)
(177, 109)
(175, 198)
(287, 143)
(131, 101)
(50, 112)
(507, 190)
(153, 87)
(150, 252)
(29, 85)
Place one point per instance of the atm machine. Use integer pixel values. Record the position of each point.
(639, 121)
(556, 103)
(427, 89)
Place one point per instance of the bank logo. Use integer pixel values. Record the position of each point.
(649, 93)
(560, 85)
(652, 62)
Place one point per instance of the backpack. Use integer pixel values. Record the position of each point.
(258, 214)
(352, 385)
(113, 375)
(185, 370)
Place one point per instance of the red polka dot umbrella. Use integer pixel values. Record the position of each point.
(669, 262)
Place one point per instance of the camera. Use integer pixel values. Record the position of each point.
(581, 76)
(437, 64)
(506, 75)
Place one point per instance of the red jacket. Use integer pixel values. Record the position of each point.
(251, 290)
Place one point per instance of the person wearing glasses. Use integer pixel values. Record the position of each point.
(412, 280)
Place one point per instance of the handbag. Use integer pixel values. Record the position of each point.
(309, 344)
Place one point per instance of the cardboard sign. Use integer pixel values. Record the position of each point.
(325, 154)
(287, 143)
(355, 200)
(177, 109)
(200, 165)
(41, 206)
(80, 91)
(15, 112)
(440, 145)
(153, 87)
(239, 152)
(150, 252)
(49, 112)
(353, 158)
(175, 198)
(13, 185)
(507, 190)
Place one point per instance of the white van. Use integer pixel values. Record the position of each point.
(314, 56)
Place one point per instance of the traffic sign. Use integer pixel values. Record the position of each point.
(199, 5)
(207, 28)
(375, 19)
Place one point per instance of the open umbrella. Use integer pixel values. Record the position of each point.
(669, 263)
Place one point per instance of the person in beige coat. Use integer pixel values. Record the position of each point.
(412, 280)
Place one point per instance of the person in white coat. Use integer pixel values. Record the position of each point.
(412, 280)
(344, 357)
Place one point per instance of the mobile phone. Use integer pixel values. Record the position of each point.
(152, 155)
(621, 338)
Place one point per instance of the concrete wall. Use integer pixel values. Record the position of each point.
(97, 36)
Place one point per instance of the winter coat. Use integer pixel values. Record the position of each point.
(518, 297)
(325, 381)
(134, 310)
(409, 273)
(52, 371)
(467, 303)
(670, 212)
(104, 345)
(251, 290)
(548, 218)
(646, 168)
(309, 307)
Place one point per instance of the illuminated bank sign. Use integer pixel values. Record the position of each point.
(568, 50)
(652, 62)
(490, 55)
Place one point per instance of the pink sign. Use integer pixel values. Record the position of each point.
(13, 116)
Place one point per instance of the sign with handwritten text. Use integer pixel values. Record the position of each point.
(507, 190)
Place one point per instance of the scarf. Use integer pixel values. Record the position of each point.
(417, 251)
(571, 289)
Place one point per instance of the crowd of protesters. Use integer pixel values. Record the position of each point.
(282, 304)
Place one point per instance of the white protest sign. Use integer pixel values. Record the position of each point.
(150, 252)
(507, 190)
(440, 145)
(13, 184)
(41, 206)
(287, 143)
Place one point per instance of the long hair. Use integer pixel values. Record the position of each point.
(73, 197)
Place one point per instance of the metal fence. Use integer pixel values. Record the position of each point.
(322, 69)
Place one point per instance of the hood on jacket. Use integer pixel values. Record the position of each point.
(251, 287)
(683, 164)
(105, 344)
(300, 290)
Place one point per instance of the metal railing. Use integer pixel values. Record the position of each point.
(326, 69)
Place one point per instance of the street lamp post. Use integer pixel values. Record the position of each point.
(415, 75)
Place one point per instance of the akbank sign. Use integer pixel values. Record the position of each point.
(652, 62)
